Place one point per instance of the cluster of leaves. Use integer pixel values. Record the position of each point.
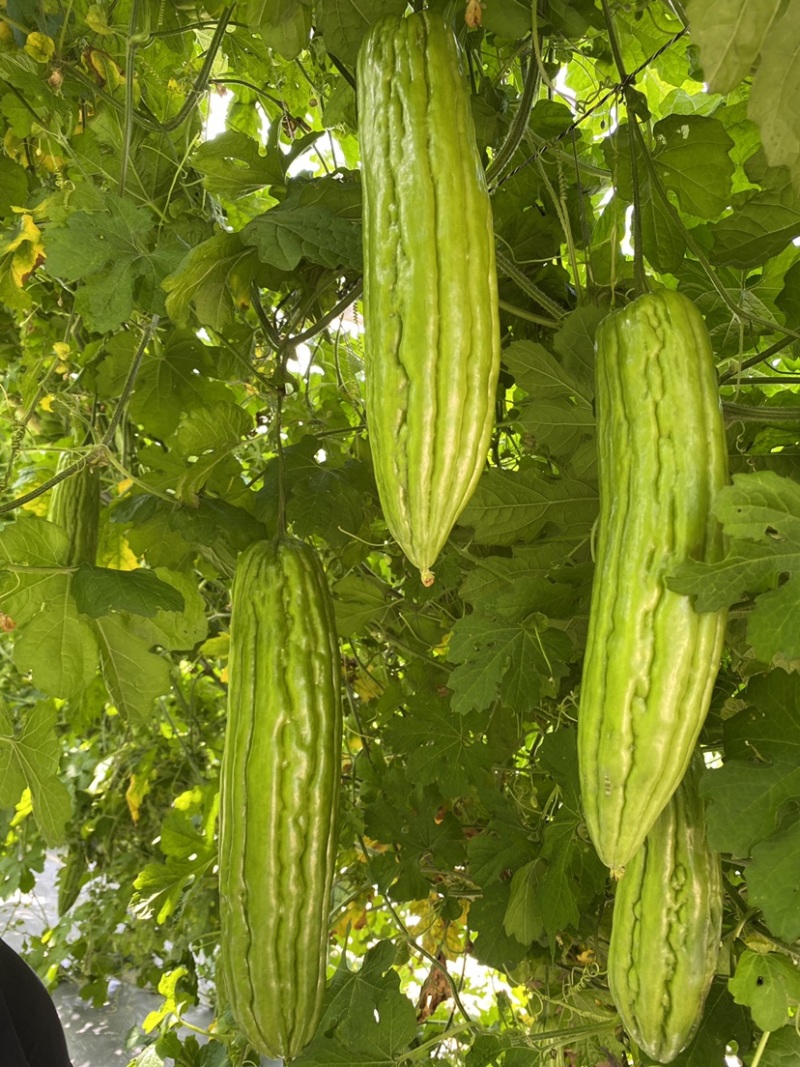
(178, 308)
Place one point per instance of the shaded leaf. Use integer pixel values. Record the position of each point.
(760, 227)
(58, 646)
(519, 662)
(773, 881)
(134, 676)
(507, 506)
(769, 985)
(730, 35)
(523, 919)
(760, 514)
(319, 220)
(692, 157)
(214, 279)
(762, 772)
(98, 591)
(773, 96)
(343, 23)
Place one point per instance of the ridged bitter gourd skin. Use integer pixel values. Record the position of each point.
(279, 795)
(75, 506)
(430, 286)
(666, 927)
(651, 659)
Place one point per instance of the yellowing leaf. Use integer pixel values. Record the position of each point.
(40, 47)
(218, 647)
(25, 248)
(367, 687)
(105, 67)
(114, 551)
(24, 807)
(354, 917)
(26, 230)
(97, 20)
(138, 788)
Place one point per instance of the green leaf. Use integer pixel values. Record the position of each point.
(760, 227)
(177, 630)
(504, 845)
(773, 97)
(730, 35)
(507, 18)
(557, 756)
(782, 1049)
(788, 300)
(13, 186)
(409, 815)
(233, 166)
(214, 278)
(558, 412)
(30, 759)
(534, 579)
(160, 886)
(216, 428)
(519, 662)
(663, 242)
(507, 507)
(773, 881)
(767, 984)
(760, 514)
(540, 374)
(99, 591)
(284, 25)
(762, 772)
(176, 384)
(492, 945)
(58, 645)
(574, 343)
(692, 157)
(110, 252)
(343, 23)
(523, 919)
(12, 775)
(34, 542)
(366, 1019)
(571, 878)
(453, 751)
(53, 640)
(134, 676)
(357, 601)
(320, 220)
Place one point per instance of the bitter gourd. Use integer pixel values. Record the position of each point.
(278, 795)
(666, 926)
(651, 659)
(75, 506)
(430, 286)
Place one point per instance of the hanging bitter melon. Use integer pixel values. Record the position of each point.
(278, 794)
(651, 659)
(430, 286)
(665, 933)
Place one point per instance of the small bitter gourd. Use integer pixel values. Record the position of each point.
(75, 506)
(666, 927)
(651, 659)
